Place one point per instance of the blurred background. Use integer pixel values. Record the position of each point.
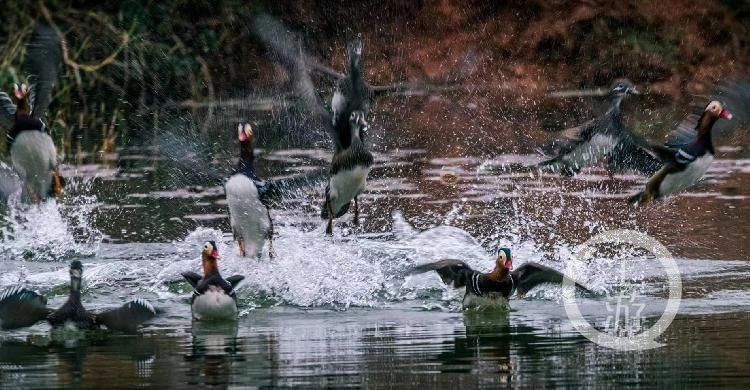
(135, 68)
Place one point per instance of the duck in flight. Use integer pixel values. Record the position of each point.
(32, 151)
(348, 175)
(213, 296)
(351, 104)
(605, 136)
(686, 158)
(248, 200)
(496, 287)
(20, 308)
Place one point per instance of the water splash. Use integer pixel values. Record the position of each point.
(50, 231)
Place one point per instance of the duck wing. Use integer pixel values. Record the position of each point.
(43, 62)
(127, 317)
(570, 138)
(20, 308)
(192, 278)
(452, 272)
(273, 191)
(530, 275)
(734, 94)
(635, 153)
(235, 280)
(7, 112)
(319, 68)
(288, 51)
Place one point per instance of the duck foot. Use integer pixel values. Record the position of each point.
(34, 197)
(271, 252)
(242, 247)
(356, 212)
(59, 193)
(329, 228)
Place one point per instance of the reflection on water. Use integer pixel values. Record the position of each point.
(390, 348)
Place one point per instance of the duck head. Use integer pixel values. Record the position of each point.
(713, 112)
(357, 122)
(354, 50)
(76, 276)
(716, 110)
(621, 88)
(209, 257)
(245, 136)
(21, 93)
(503, 264)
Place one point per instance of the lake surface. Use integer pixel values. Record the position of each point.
(341, 311)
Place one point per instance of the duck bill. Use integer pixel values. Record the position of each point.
(509, 264)
(215, 254)
(725, 114)
(634, 91)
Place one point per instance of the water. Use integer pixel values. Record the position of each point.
(341, 311)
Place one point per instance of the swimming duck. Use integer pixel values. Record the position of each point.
(348, 175)
(20, 308)
(596, 139)
(684, 162)
(213, 296)
(249, 211)
(32, 150)
(496, 287)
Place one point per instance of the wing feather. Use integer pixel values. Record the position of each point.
(7, 112)
(530, 275)
(127, 317)
(192, 278)
(43, 62)
(20, 308)
(452, 272)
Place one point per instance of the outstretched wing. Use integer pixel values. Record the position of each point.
(288, 51)
(733, 92)
(273, 191)
(411, 88)
(530, 275)
(43, 61)
(452, 272)
(235, 280)
(7, 112)
(192, 278)
(319, 68)
(128, 317)
(635, 153)
(20, 308)
(568, 140)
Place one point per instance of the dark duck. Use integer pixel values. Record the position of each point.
(350, 106)
(348, 174)
(248, 200)
(20, 308)
(686, 158)
(347, 122)
(496, 287)
(32, 151)
(213, 296)
(606, 136)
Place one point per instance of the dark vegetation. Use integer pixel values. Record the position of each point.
(135, 69)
